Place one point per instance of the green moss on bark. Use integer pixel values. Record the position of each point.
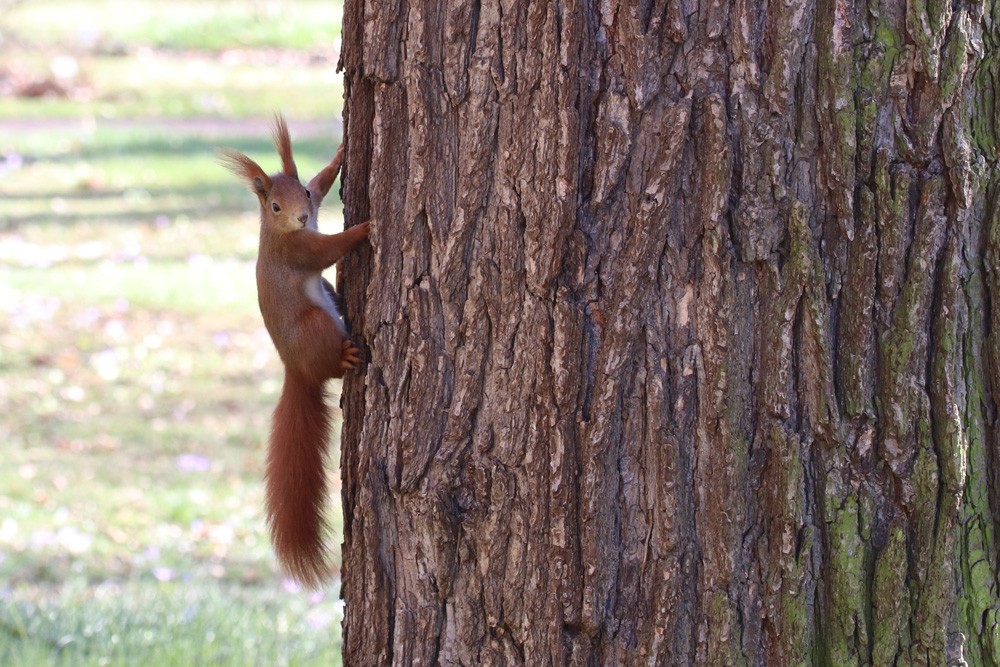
(846, 630)
(891, 601)
(976, 545)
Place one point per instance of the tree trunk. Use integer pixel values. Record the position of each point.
(681, 333)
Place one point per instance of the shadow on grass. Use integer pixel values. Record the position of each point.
(14, 222)
(204, 190)
(206, 201)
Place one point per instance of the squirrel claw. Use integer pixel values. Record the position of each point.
(350, 356)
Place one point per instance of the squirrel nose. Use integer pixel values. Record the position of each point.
(302, 218)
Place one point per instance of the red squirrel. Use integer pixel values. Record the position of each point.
(309, 334)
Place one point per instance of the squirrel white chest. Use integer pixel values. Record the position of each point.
(318, 296)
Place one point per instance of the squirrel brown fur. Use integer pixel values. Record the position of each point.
(309, 334)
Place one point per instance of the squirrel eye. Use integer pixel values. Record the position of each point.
(275, 207)
(308, 195)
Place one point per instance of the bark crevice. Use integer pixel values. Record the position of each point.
(682, 333)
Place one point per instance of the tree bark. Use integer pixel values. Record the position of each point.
(681, 333)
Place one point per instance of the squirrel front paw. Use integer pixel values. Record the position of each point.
(350, 356)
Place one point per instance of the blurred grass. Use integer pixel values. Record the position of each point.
(136, 380)
(171, 624)
(116, 25)
(179, 59)
(181, 85)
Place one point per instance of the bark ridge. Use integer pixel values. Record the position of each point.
(682, 332)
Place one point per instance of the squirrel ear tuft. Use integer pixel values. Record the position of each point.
(283, 142)
(246, 169)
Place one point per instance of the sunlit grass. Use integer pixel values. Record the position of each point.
(136, 380)
(174, 623)
(107, 160)
(183, 24)
(147, 187)
(134, 427)
(169, 84)
(185, 59)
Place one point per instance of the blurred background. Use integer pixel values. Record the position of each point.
(136, 379)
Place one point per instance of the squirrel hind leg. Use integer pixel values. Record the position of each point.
(326, 351)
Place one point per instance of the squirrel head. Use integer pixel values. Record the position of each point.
(286, 205)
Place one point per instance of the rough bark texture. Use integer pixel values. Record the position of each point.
(683, 322)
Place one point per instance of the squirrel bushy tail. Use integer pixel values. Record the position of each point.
(296, 479)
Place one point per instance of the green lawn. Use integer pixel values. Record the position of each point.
(132, 58)
(136, 380)
(121, 25)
